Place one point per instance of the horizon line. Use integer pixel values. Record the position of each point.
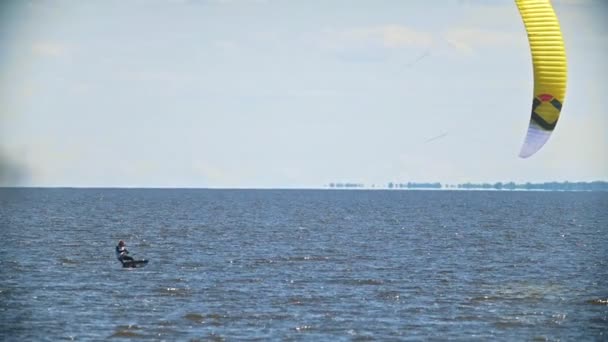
(358, 186)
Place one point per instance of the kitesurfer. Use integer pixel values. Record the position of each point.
(121, 252)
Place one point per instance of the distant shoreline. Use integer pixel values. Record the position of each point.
(499, 186)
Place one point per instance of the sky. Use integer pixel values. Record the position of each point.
(281, 93)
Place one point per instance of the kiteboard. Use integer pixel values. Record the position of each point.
(134, 263)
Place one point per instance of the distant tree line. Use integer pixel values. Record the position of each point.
(411, 185)
(551, 186)
(346, 185)
(562, 186)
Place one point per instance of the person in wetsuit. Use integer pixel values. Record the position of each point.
(121, 252)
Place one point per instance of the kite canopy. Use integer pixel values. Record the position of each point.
(550, 71)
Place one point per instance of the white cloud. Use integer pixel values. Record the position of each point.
(388, 36)
(577, 2)
(395, 36)
(467, 40)
(226, 2)
(49, 49)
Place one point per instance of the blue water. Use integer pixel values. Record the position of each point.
(303, 265)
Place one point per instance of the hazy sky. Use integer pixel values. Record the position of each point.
(279, 93)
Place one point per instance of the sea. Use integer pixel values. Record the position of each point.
(303, 265)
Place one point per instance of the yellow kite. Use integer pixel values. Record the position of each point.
(550, 71)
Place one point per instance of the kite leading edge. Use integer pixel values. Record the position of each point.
(550, 71)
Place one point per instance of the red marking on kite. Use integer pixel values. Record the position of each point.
(545, 97)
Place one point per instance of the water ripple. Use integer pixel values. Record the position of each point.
(304, 265)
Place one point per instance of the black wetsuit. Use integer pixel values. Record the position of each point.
(121, 254)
